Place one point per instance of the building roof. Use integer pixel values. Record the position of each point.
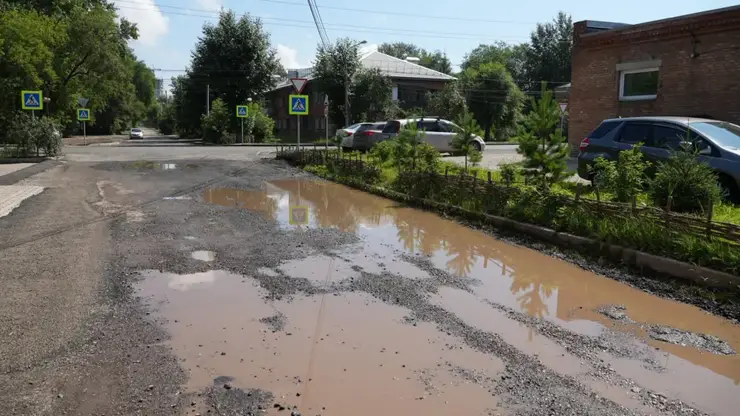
(389, 66)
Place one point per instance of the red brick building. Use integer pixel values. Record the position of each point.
(682, 66)
(411, 83)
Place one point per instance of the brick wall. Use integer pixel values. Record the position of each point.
(699, 71)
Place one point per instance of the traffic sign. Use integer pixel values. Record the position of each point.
(299, 215)
(326, 111)
(242, 111)
(563, 107)
(83, 114)
(326, 100)
(83, 102)
(298, 105)
(32, 100)
(299, 84)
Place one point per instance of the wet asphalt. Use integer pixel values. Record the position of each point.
(186, 287)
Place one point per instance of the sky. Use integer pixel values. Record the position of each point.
(169, 29)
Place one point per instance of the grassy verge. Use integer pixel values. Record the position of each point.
(520, 202)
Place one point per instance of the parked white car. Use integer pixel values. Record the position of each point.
(346, 135)
(136, 134)
(437, 132)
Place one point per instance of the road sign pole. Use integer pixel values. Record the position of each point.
(84, 133)
(242, 130)
(299, 132)
(326, 124)
(33, 114)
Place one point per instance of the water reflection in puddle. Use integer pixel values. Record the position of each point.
(203, 255)
(520, 278)
(349, 354)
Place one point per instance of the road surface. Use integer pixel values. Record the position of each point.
(174, 280)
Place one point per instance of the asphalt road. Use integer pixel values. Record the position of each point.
(165, 280)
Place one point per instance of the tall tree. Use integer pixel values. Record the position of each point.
(493, 98)
(234, 58)
(511, 56)
(436, 60)
(334, 71)
(548, 56)
(448, 102)
(372, 95)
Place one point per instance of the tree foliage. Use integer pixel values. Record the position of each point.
(493, 98)
(216, 123)
(436, 60)
(548, 55)
(448, 103)
(233, 58)
(371, 99)
(542, 143)
(71, 49)
(335, 67)
(511, 56)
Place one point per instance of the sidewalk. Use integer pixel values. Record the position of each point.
(11, 196)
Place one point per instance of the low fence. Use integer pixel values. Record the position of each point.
(492, 197)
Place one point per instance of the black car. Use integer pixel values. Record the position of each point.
(717, 144)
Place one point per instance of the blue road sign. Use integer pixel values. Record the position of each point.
(32, 100)
(242, 111)
(298, 105)
(83, 114)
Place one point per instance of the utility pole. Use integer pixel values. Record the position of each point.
(208, 99)
(346, 99)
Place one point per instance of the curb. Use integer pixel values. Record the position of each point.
(634, 258)
(19, 175)
(8, 161)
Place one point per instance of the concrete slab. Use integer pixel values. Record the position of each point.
(13, 167)
(11, 196)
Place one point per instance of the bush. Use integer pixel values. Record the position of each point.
(216, 124)
(29, 136)
(625, 177)
(510, 172)
(381, 153)
(263, 127)
(692, 184)
(427, 157)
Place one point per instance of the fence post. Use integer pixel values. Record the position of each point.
(668, 210)
(578, 192)
(489, 177)
(634, 203)
(475, 182)
(598, 201)
(447, 168)
(710, 212)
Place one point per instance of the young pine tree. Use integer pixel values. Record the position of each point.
(463, 140)
(542, 143)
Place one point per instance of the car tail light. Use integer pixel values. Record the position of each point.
(347, 133)
(365, 133)
(584, 144)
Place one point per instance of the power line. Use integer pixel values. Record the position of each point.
(414, 15)
(308, 24)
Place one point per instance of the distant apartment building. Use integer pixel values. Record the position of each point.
(411, 83)
(682, 66)
(159, 88)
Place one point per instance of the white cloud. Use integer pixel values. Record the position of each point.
(371, 47)
(151, 22)
(288, 57)
(214, 5)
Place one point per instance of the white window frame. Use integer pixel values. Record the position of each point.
(622, 74)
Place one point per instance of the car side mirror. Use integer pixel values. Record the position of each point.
(706, 151)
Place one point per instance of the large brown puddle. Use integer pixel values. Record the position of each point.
(515, 277)
(336, 355)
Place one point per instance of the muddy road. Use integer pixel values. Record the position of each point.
(187, 287)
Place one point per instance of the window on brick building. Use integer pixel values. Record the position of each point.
(638, 84)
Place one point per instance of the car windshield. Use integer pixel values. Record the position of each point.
(135, 131)
(723, 133)
(353, 127)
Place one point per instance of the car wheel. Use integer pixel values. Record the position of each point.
(477, 146)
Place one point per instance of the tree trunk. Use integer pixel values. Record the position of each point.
(488, 133)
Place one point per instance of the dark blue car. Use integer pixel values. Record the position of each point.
(716, 142)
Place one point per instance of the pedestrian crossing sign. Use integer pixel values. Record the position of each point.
(298, 105)
(298, 215)
(242, 111)
(32, 100)
(83, 114)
